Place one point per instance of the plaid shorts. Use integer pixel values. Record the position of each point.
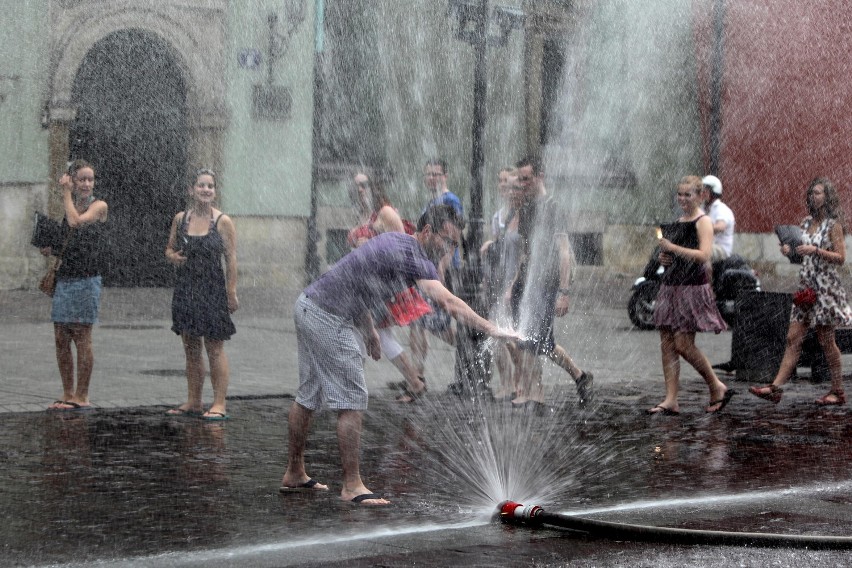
(331, 362)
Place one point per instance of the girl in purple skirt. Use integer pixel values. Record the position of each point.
(685, 304)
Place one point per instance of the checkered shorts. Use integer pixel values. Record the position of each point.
(331, 362)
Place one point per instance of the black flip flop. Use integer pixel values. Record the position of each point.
(722, 402)
(306, 487)
(361, 498)
(663, 410)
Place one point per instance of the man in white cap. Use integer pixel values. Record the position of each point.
(722, 217)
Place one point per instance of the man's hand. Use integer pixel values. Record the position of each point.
(505, 334)
(374, 349)
(562, 305)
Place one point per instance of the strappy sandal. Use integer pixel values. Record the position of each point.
(774, 394)
(402, 385)
(839, 398)
(410, 397)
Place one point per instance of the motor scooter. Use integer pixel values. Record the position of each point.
(731, 276)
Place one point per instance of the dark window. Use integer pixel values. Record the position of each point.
(552, 67)
(350, 124)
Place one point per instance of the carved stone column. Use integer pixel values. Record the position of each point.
(207, 128)
(60, 116)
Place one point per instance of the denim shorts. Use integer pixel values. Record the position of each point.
(76, 300)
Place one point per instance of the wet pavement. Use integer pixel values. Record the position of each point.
(126, 485)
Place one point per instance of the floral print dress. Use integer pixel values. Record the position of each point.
(831, 307)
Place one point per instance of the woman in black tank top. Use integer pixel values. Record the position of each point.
(685, 304)
(204, 296)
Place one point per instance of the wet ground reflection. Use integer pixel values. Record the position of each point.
(119, 483)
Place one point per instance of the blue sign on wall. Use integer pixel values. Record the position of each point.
(249, 58)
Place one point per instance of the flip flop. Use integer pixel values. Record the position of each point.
(662, 410)
(214, 416)
(307, 487)
(183, 412)
(54, 403)
(361, 498)
(722, 402)
(73, 406)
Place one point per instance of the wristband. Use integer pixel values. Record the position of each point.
(563, 291)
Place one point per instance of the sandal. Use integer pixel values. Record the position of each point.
(402, 385)
(773, 394)
(662, 411)
(410, 397)
(839, 398)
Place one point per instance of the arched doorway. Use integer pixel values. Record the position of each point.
(131, 124)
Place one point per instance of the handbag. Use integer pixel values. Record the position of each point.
(805, 298)
(48, 281)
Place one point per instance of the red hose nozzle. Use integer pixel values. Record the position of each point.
(511, 512)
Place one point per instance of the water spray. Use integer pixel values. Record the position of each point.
(532, 515)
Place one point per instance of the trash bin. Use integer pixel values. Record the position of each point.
(760, 334)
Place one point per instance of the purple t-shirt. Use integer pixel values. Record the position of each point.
(372, 274)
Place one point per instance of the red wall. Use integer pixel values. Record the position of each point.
(786, 104)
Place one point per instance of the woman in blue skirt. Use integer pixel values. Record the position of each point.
(78, 283)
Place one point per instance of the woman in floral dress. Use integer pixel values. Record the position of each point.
(821, 302)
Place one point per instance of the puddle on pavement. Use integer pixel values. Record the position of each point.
(128, 482)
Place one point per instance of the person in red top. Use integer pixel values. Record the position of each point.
(378, 216)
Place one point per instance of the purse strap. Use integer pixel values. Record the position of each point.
(65, 242)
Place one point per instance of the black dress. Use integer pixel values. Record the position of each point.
(200, 301)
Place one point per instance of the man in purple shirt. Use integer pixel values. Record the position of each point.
(335, 312)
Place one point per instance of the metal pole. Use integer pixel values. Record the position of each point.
(716, 70)
(473, 359)
(312, 259)
(477, 162)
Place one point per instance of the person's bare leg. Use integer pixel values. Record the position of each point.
(419, 344)
(404, 366)
(516, 356)
(561, 358)
(65, 361)
(529, 381)
(416, 384)
(792, 351)
(82, 337)
(219, 375)
(685, 345)
(349, 442)
(671, 373)
(825, 335)
(298, 426)
(506, 370)
(194, 373)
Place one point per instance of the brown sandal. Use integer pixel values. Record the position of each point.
(774, 394)
(840, 398)
(410, 397)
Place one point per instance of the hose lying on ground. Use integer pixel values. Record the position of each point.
(515, 513)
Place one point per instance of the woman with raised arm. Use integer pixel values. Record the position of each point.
(76, 300)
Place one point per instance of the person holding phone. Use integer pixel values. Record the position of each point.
(204, 297)
(76, 300)
(821, 302)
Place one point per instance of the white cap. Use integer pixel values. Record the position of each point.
(714, 183)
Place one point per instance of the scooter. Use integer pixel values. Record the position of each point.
(731, 276)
